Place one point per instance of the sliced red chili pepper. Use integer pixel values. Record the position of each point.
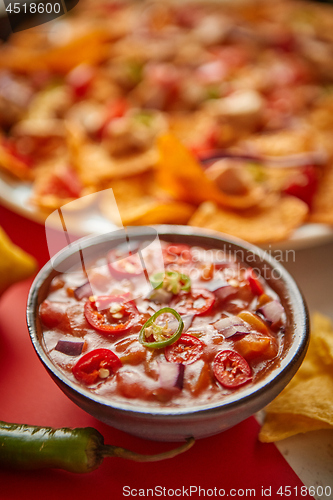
(177, 254)
(186, 350)
(197, 301)
(111, 315)
(96, 365)
(124, 267)
(231, 369)
(255, 285)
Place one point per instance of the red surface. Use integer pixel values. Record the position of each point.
(234, 459)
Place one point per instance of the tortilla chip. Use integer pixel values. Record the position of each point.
(95, 166)
(88, 47)
(323, 340)
(307, 402)
(151, 211)
(57, 184)
(182, 176)
(48, 104)
(274, 223)
(14, 165)
(190, 129)
(283, 142)
(138, 204)
(281, 426)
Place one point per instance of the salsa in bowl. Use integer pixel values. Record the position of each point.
(180, 335)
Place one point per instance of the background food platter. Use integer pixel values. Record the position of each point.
(16, 196)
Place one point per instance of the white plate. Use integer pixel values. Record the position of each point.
(16, 196)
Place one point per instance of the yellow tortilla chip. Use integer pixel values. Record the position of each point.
(323, 340)
(183, 177)
(14, 165)
(138, 204)
(283, 142)
(283, 425)
(57, 184)
(88, 47)
(84, 155)
(151, 211)
(307, 402)
(270, 224)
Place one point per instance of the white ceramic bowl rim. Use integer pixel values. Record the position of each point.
(210, 239)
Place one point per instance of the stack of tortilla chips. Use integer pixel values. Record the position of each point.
(307, 402)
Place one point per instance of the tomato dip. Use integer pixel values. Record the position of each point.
(209, 325)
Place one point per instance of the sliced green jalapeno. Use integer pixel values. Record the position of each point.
(171, 281)
(159, 332)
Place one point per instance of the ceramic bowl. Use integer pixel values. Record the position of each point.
(176, 424)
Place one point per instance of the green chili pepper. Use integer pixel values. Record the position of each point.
(172, 281)
(75, 450)
(160, 331)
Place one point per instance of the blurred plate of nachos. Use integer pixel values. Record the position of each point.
(210, 114)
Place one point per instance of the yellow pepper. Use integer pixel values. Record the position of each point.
(15, 264)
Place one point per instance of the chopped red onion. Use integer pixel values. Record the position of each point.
(171, 375)
(232, 325)
(69, 348)
(215, 284)
(187, 320)
(272, 311)
(83, 291)
(180, 378)
(295, 160)
(225, 292)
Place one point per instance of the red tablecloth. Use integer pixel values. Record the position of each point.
(232, 462)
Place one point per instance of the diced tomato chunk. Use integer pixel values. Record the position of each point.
(256, 286)
(56, 284)
(254, 345)
(49, 316)
(77, 323)
(263, 299)
(200, 382)
(69, 319)
(130, 385)
(134, 355)
(254, 321)
(207, 271)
